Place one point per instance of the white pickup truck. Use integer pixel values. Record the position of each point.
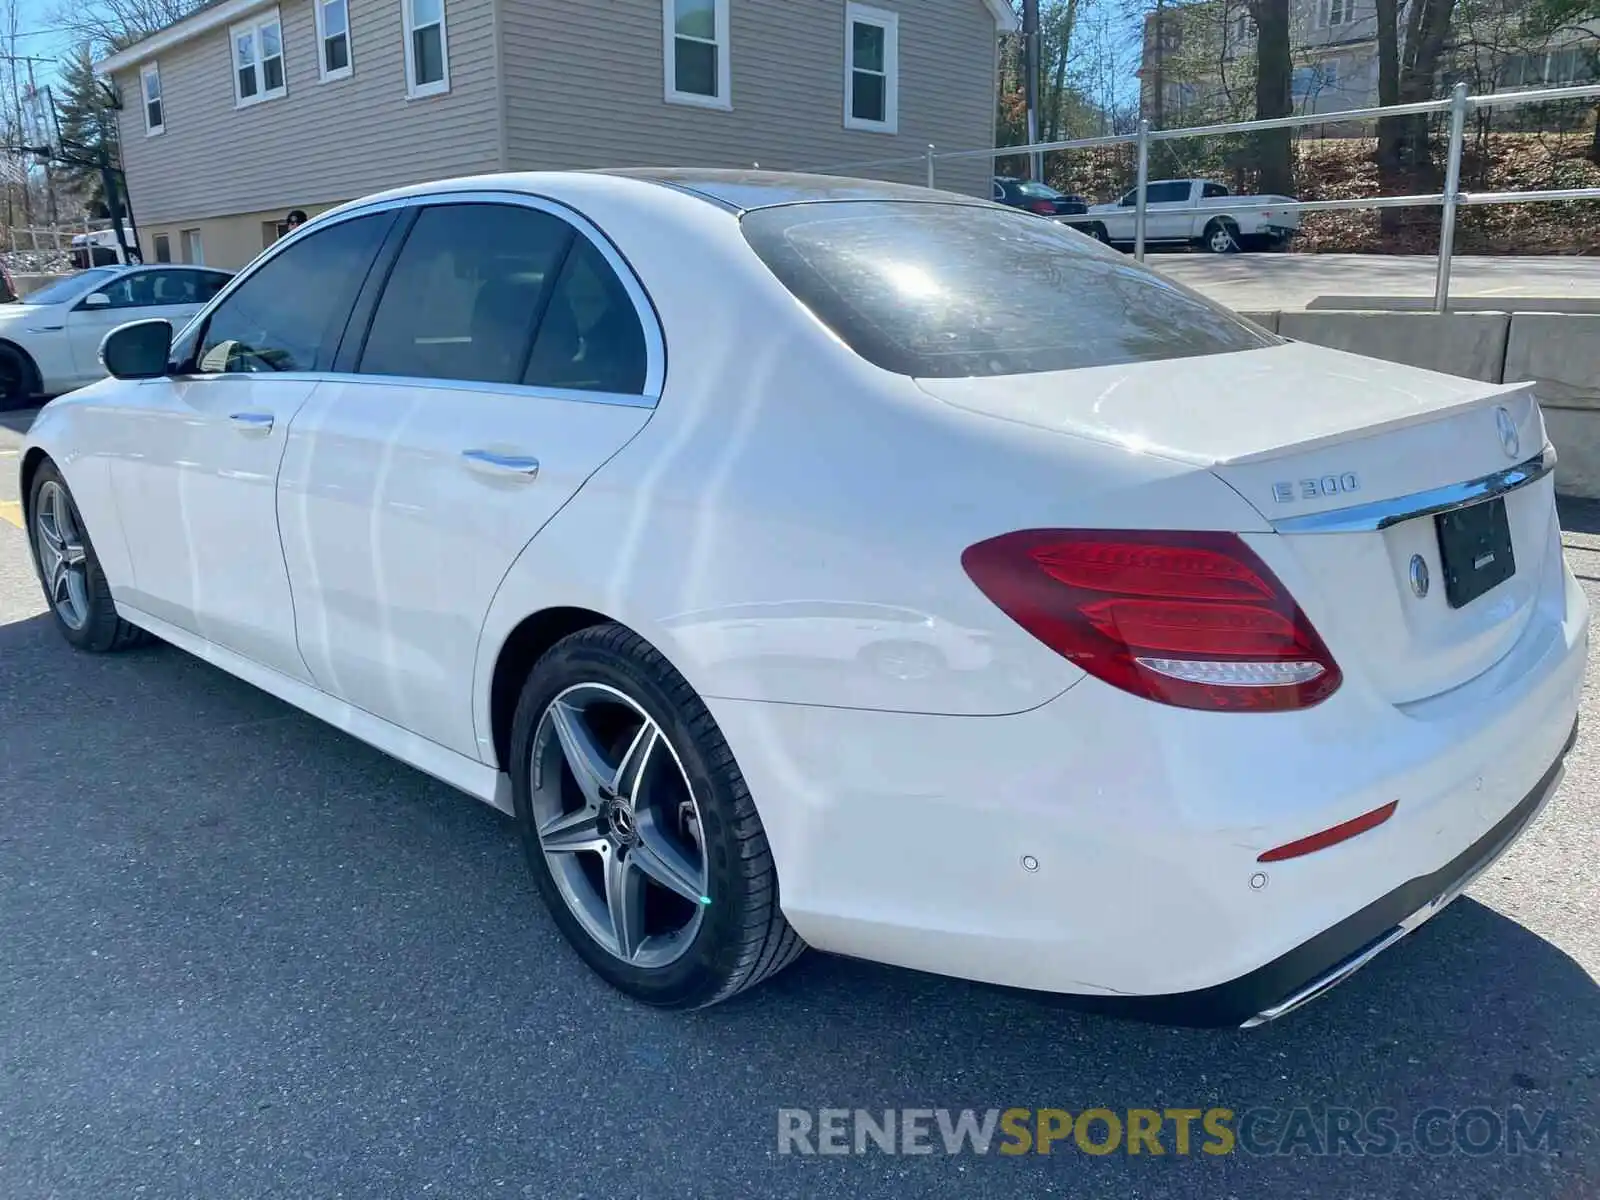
(1195, 212)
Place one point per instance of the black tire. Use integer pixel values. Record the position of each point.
(1098, 232)
(742, 938)
(101, 631)
(18, 379)
(1221, 236)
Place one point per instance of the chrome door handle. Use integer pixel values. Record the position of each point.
(508, 464)
(250, 422)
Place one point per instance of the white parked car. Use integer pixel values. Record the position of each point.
(1264, 650)
(50, 339)
(1195, 212)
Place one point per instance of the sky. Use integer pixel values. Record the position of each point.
(39, 34)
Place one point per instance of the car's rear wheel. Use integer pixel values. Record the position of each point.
(74, 585)
(1098, 232)
(638, 826)
(1221, 236)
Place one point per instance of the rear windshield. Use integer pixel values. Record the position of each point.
(1044, 192)
(954, 291)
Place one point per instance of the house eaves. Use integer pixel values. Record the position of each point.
(216, 14)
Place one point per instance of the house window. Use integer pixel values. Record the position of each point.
(333, 36)
(427, 48)
(695, 38)
(871, 69)
(150, 82)
(193, 251)
(258, 61)
(1337, 12)
(163, 248)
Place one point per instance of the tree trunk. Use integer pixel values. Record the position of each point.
(1274, 98)
(1391, 131)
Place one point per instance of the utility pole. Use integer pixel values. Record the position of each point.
(36, 119)
(1030, 61)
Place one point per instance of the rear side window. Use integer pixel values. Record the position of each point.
(590, 339)
(1212, 191)
(947, 291)
(465, 293)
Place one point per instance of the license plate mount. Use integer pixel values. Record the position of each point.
(1474, 550)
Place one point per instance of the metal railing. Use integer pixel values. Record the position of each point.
(1458, 106)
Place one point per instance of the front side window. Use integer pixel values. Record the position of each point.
(955, 291)
(464, 294)
(289, 313)
(427, 48)
(258, 60)
(333, 37)
(150, 81)
(872, 70)
(695, 37)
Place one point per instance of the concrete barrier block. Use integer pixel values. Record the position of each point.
(1560, 353)
(1575, 433)
(1267, 320)
(1472, 345)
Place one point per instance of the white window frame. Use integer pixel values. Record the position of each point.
(344, 72)
(889, 22)
(669, 59)
(440, 86)
(254, 26)
(146, 73)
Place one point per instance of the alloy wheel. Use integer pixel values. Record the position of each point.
(1221, 240)
(63, 561)
(619, 825)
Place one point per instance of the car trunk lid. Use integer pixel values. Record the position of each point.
(1347, 458)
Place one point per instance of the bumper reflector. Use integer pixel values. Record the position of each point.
(1331, 837)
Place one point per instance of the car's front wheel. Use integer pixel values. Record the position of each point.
(74, 585)
(638, 827)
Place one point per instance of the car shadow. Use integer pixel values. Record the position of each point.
(1578, 515)
(18, 420)
(267, 917)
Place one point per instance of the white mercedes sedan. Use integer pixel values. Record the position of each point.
(50, 339)
(806, 561)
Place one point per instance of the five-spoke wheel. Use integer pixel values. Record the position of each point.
(638, 826)
(618, 823)
(63, 564)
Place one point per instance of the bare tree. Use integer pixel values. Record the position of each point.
(109, 25)
(1274, 94)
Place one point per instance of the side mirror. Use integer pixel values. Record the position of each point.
(138, 350)
(97, 300)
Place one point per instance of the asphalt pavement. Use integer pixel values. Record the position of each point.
(243, 955)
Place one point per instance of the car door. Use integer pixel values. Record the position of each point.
(197, 473)
(1168, 214)
(508, 354)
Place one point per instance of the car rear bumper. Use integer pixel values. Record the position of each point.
(1323, 962)
(1107, 848)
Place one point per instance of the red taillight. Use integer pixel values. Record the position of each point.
(1044, 206)
(1191, 619)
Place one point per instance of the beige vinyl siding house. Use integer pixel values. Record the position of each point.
(249, 108)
